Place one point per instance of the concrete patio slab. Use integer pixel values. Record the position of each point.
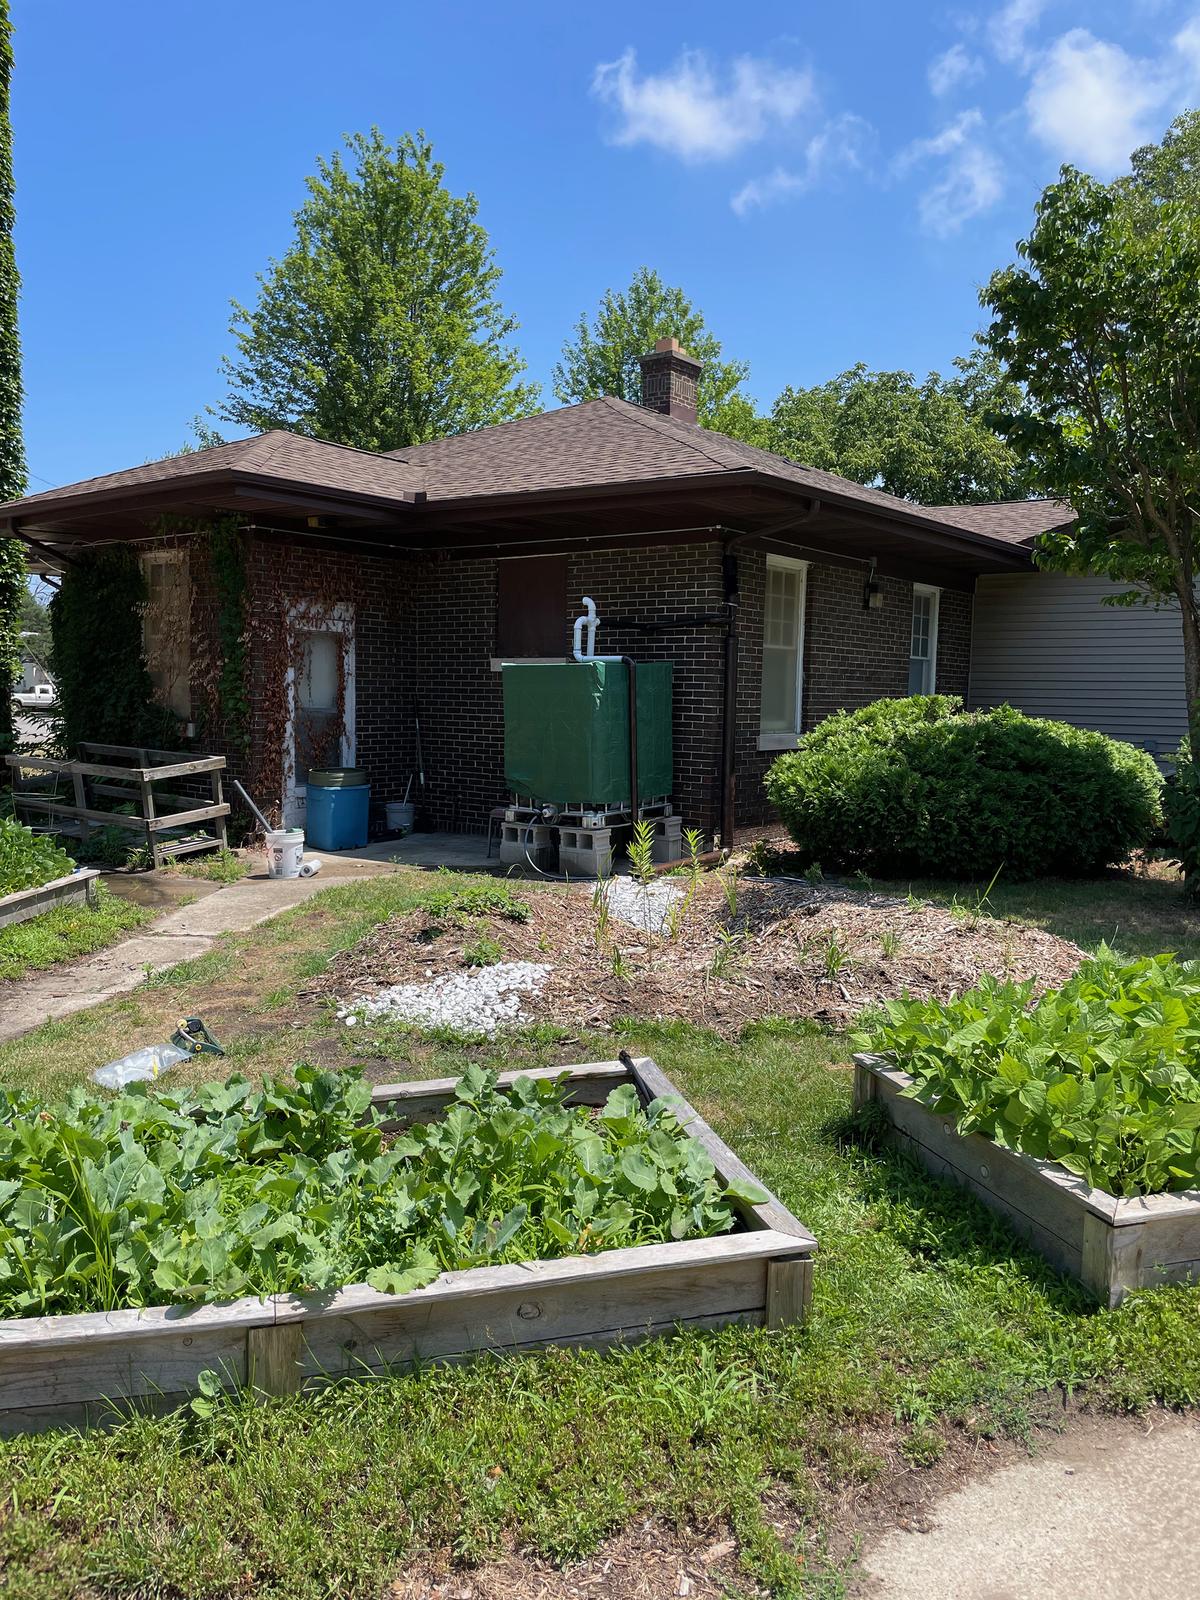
(462, 852)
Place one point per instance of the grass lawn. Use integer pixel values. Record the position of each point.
(67, 932)
(216, 866)
(930, 1324)
(1139, 911)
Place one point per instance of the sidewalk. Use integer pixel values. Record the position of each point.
(181, 935)
(1108, 1512)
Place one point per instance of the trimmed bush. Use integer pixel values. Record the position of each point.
(919, 786)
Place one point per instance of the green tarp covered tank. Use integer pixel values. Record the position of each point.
(566, 730)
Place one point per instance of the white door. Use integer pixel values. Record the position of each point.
(320, 698)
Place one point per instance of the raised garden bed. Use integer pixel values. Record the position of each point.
(77, 888)
(58, 1370)
(1112, 1245)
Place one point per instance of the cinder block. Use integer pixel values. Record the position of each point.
(668, 838)
(521, 843)
(585, 852)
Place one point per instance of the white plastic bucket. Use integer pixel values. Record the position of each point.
(400, 815)
(285, 851)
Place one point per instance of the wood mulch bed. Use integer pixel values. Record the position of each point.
(746, 948)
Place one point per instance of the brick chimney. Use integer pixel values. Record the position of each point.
(669, 378)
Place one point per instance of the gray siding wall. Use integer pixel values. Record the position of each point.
(1045, 643)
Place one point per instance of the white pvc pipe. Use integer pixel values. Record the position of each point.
(591, 621)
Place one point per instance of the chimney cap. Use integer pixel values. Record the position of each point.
(670, 346)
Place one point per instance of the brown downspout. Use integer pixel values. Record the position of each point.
(732, 595)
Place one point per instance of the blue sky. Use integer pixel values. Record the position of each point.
(831, 182)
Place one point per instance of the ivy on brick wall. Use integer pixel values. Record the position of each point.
(104, 691)
(227, 555)
(12, 454)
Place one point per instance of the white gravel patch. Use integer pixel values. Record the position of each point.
(478, 1001)
(646, 905)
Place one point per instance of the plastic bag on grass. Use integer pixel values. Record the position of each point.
(191, 1038)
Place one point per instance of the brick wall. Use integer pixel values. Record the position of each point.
(425, 631)
(381, 593)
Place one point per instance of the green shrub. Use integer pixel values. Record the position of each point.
(919, 786)
(1181, 804)
(1102, 1075)
(28, 859)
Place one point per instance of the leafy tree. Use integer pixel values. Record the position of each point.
(602, 357)
(1100, 324)
(928, 442)
(12, 453)
(380, 326)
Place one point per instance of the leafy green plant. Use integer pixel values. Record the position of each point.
(1181, 806)
(1101, 1075)
(483, 951)
(28, 859)
(835, 956)
(889, 943)
(916, 785)
(221, 866)
(640, 851)
(728, 954)
(228, 1189)
(460, 902)
(813, 874)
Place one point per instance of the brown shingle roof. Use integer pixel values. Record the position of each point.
(1013, 521)
(287, 457)
(610, 441)
(597, 444)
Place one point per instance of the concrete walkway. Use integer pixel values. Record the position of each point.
(181, 935)
(1109, 1512)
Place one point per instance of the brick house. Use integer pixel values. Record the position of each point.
(383, 589)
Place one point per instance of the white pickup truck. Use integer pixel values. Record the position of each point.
(40, 698)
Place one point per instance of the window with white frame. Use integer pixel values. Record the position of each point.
(167, 629)
(922, 655)
(782, 702)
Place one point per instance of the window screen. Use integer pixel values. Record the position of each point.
(783, 644)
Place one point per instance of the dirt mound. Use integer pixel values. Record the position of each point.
(733, 950)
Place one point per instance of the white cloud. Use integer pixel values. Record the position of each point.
(1091, 103)
(688, 112)
(841, 144)
(953, 67)
(972, 177)
(1009, 27)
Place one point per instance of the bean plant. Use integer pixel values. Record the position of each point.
(196, 1195)
(1101, 1076)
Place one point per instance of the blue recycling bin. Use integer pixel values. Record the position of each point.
(338, 805)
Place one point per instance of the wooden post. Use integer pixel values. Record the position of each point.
(218, 799)
(273, 1358)
(1096, 1265)
(146, 788)
(81, 805)
(864, 1085)
(789, 1292)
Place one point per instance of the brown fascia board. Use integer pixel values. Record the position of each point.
(518, 501)
(152, 495)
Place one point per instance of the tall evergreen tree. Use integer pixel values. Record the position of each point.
(12, 451)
